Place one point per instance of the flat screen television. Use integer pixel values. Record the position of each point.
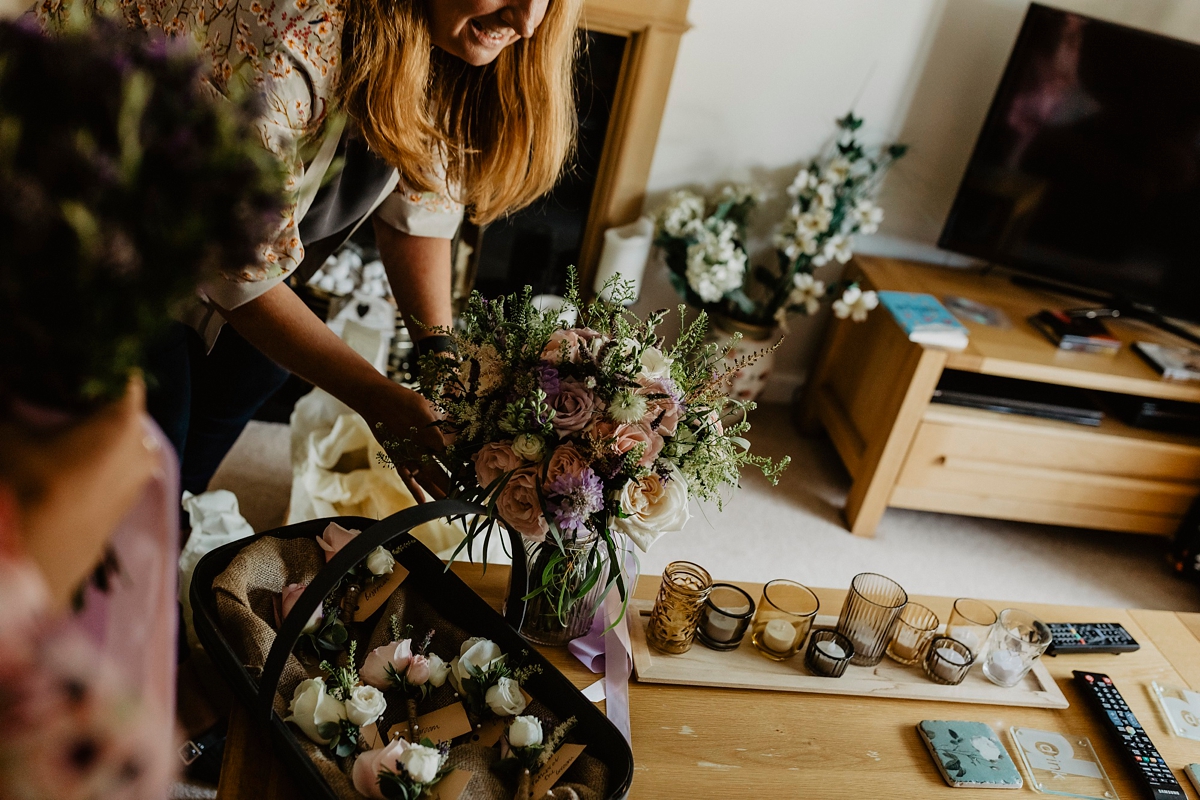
(1087, 170)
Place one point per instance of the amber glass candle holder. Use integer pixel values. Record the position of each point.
(685, 587)
(971, 623)
(725, 618)
(828, 654)
(948, 661)
(872, 605)
(911, 634)
(784, 617)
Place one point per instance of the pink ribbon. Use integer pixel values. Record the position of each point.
(595, 648)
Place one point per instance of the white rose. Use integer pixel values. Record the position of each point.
(438, 670)
(380, 562)
(366, 704)
(655, 506)
(476, 652)
(529, 446)
(505, 698)
(312, 707)
(525, 732)
(655, 364)
(421, 763)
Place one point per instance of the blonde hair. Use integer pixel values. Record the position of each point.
(502, 131)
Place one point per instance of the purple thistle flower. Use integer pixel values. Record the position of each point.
(574, 498)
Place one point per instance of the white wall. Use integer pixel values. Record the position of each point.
(758, 84)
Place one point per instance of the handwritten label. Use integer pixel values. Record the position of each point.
(437, 726)
(490, 732)
(377, 593)
(370, 736)
(555, 768)
(450, 787)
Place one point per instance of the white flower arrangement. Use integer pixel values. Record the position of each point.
(333, 714)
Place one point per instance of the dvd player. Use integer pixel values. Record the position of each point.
(1012, 396)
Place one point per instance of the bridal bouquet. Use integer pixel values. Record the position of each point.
(578, 437)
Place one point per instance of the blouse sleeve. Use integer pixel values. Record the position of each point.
(432, 214)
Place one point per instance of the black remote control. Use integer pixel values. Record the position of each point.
(1090, 637)
(1152, 771)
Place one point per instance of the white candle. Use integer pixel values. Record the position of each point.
(831, 649)
(1005, 667)
(719, 627)
(625, 252)
(952, 656)
(948, 663)
(779, 635)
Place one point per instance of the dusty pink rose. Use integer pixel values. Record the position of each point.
(521, 508)
(287, 601)
(666, 411)
(493, 460)
(418, 671)
(368, 766)
(625, 437)
(565, 460)
(568, 345)
(573, 406)
(397, 655)
(334, 539)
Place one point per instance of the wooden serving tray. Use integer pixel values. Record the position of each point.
(744, 668)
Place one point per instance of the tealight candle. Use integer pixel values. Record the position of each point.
(828, 654)
(948, 661)
(725, 617)
(831, 649)
(1005, 667)
(1018, 639)
(779, 635)
(783, 619)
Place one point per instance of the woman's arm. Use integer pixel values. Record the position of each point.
(281, 326)
(418, 268)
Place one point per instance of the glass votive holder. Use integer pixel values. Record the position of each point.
(948, 660)
(828, 654)
(1018, 639)
(913, 630)
(872, 605)
(685, 587)
(971, 623)
(726, 616)
(784, 617)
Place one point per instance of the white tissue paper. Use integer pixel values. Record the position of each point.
(215, 521)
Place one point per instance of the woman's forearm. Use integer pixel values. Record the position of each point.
(418, 268)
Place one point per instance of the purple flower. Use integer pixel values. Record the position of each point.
(548, 380)
(574, 498)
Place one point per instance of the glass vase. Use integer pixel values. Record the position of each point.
(672, 627)
(549, 599)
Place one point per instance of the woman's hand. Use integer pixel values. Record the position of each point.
(397, 414)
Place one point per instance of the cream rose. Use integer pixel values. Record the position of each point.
(421, 763)
(520, 506)
(494, 460)
(656, 365)
(365, 705)
(418, 671)
(335, 538)
(475, 652)
(505, 698)
(368, 766)
(287, 601)
(438, 670)
(655, 506)
(312, 706)
(569, 345)
(529, 446)
(525, 732)
(395, 655)
(380, 562)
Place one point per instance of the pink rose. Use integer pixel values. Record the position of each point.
(573, 406)
(625, 437)
(666, 411)
(334, 539)
(287, 601)
(494, 460)
(565, 460)
(521, 508)
(397, 655)
(568, 345)
(418, 671)
(368, 766)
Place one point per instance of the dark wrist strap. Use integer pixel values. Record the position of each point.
(434, 344)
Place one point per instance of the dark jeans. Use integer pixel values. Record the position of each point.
(203, 401)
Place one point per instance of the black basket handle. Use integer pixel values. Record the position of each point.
(358, 548)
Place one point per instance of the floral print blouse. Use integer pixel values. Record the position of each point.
(290, 51)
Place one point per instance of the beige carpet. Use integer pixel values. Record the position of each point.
(795, 531)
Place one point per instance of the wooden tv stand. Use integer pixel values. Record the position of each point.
(871, 390)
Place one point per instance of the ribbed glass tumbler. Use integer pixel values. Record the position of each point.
(685, 587)
(872, 605)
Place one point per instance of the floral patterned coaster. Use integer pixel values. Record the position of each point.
(970, 754)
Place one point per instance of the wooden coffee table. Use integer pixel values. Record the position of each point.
(711, 743)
